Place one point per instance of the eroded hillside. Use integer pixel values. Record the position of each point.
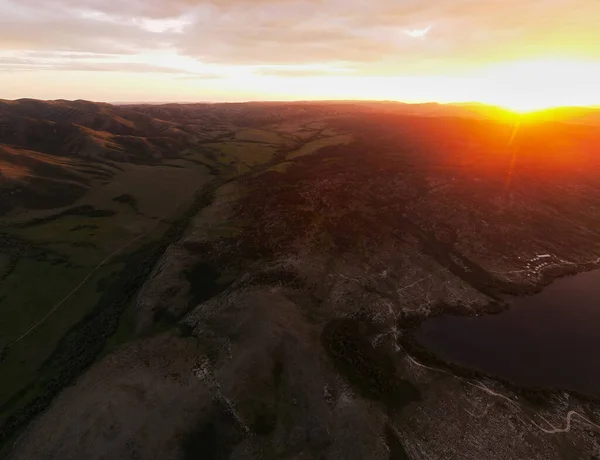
(271, 314)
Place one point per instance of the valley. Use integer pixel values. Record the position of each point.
(245, 280)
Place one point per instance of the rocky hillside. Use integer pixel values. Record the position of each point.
(274, 316)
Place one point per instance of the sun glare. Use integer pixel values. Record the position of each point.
(521, 87)
(536, 85)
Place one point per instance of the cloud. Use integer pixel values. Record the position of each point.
(418, 33)
(24, 64)
(93, 62)
(296, 71)
(371, 36)
(201, 76)
(51, 25)
(365, 33)
(153, 9)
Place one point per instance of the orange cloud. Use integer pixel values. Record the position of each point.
(304, 38)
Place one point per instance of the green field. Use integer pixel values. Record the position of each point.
(4, 265)
(23, 307)
(259, 135)
(77, 258)
(69, 288)
(248, 154)
(281, 167)
(313, 146)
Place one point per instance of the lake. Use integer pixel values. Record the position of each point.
(549, 339)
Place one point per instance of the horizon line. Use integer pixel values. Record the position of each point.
(299, 101)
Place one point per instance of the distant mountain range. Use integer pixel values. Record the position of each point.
(249, 280)
(46, 146)
(578, 115)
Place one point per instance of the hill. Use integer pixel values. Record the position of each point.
(235, 281)
(55, 148)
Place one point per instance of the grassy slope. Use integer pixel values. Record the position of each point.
(4, 264)
(160, 193)
(24, 307)
(259, 135)
(35, 286)
(317, 144)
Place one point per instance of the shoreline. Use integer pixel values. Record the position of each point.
(537, 395)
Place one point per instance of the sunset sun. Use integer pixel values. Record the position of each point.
(528, 86)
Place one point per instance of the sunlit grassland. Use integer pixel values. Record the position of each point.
(104, 234)
(249, 154)
(157, 194)
(259, 135)
(313, 146)
(281, 167)
(229, 159)
(296, 131)
(158, 190)
(303, 130)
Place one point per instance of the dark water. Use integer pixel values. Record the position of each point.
(550, 339)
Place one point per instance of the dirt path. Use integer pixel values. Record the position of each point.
(569, 418)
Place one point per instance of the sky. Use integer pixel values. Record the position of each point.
(522, 54)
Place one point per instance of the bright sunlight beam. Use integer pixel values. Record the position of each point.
(540, 84)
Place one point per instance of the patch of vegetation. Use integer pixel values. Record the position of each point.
(215, 438)
(279, 277)
(7, 265)
(397, 451)
(79, 348)
(83, 210)
(248, 154)
(155, 190)
(105, 282)
(281, 167)
(317, 144)
(86, 340)
(84, 227)
(23, 307)
(109, 235)
(259, 135)
(15, 247)
(204, 284)
(4, 261)
(370, 370)
(124, 331)
(127, 198)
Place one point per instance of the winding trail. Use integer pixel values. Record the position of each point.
(570, 417)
